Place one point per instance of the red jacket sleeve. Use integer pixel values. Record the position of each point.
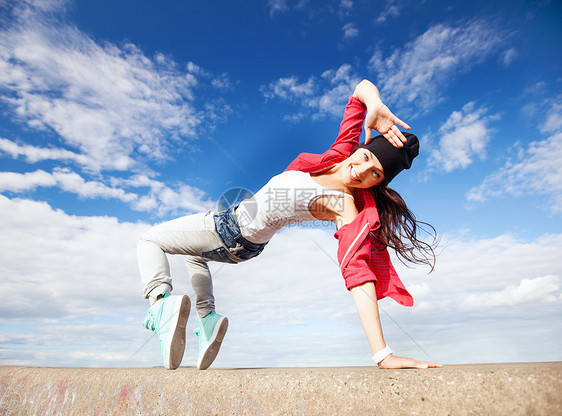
(363, 260)
(354, 250)
(357, 270)
(347, 140)
(351, 127)
(388, 282)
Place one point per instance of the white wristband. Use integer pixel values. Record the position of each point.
(382, 354)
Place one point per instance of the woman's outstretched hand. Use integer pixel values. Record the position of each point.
(392, 361)
(382, 120)
(379, 117)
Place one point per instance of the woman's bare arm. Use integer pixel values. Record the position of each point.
(365, 299)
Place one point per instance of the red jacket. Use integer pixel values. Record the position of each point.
(361, 258)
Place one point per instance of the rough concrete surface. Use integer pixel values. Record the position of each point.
(485, 389)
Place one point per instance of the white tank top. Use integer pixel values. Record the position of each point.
(284, 200)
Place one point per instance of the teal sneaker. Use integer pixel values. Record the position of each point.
(168, 318)
(210, 330)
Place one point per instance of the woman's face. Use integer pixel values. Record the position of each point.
(362, 169)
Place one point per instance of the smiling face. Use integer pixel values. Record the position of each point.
(361, 170)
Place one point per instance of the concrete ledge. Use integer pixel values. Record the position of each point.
(486, 389)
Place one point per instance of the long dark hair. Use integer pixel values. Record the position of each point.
(399, 228)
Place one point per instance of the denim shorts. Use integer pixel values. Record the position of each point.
(228, 229)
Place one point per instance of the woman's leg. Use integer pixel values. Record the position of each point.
(202, 284)
(154, 269)
(189, 236)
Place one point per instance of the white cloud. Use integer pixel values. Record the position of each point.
(113, 107)
(472, 266)
(47, 5)
(419, 73)
(277, 6)
(33, 154)
(73, 283)
(346, 6)
(486, 293)
(414, 75)
(72, 182)
(462, 137)
(294, 117)
(509, 56)
(536, 171)
(161, 198)
(553, 121)
(392, 10)
(222, 82)
(65, 180)
(289, 88)
(107, 108)
(350, 31)
(311, 11)
(539, 289)
(164, 199)
(341, 83)
(64, 261)
(320, 96)
(20, 182)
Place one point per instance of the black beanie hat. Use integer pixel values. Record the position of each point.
(393, 159)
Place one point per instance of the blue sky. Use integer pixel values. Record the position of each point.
(118, 115)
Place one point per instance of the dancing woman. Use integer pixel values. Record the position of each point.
(347, 185)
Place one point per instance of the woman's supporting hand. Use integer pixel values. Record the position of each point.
(379, 117)
(365, 299)
(392, 361)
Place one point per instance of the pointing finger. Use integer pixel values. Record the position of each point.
(398, 121)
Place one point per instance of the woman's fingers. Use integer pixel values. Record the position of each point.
(399, 135)
(400, 122)
(368, 133)
(393, 138)
(425, 364)
(393, 361)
